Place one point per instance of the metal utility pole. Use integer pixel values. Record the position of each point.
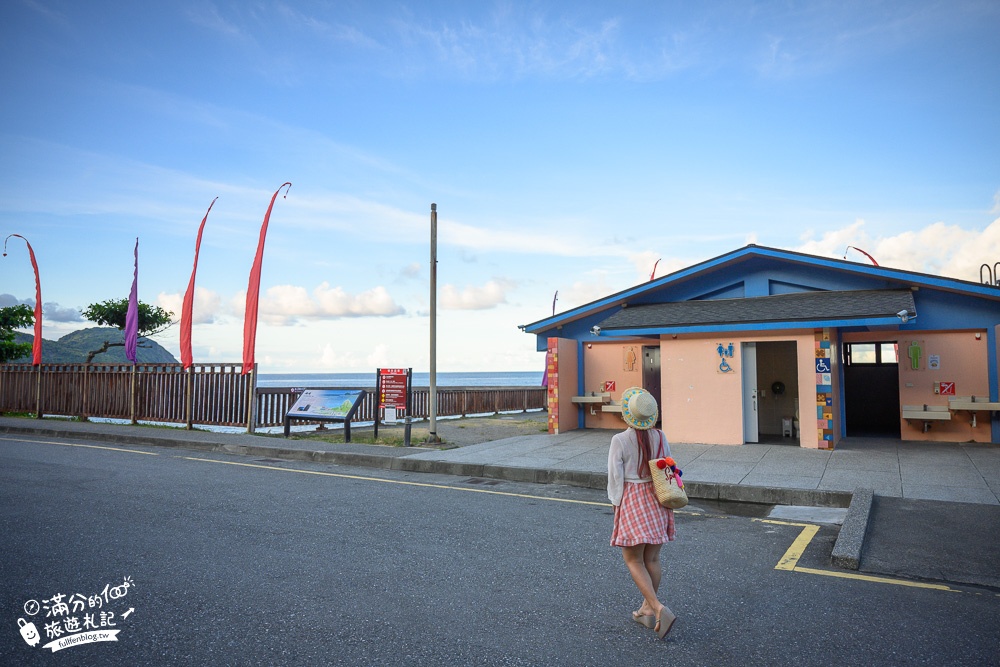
(432, 437)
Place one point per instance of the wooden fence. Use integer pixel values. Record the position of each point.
(209, 394)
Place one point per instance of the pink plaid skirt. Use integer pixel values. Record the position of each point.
(640, 519)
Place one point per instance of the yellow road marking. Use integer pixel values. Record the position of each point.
(791, 557)
(789, 561)
(71, 444)
(877, 580)
(396, 481)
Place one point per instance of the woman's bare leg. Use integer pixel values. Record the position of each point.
(635, 561)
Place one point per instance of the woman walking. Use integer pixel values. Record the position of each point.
(641, 524)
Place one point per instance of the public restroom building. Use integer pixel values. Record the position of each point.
(766, 345)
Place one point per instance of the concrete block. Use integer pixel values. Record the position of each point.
(851, 540)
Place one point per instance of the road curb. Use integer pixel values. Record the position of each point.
(851, 539)
(579, 478)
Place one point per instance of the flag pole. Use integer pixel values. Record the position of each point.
(36, 344)
(432, 436)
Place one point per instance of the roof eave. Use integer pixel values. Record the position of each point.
(725, 327)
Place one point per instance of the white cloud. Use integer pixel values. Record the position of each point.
(205, 309)
(490, 295)
(288, 304)
(410, 270)
(56, 313)
(938, 249)
(644, 262)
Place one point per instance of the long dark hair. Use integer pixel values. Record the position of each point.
(645, 450)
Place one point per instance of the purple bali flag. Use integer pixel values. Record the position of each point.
(132, 316)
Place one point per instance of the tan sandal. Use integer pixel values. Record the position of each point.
(664, 622)
(642, 619)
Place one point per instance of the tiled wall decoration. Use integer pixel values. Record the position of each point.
(824, 390)
(552, 384)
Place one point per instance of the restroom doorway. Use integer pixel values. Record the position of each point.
(871, 389)
(651, 374)
(775, 387)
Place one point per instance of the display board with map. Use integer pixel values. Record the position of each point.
(338, 405)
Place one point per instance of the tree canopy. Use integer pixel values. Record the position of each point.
(112, 313)
(20, 316)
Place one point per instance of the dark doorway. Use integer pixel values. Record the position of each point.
(651, 372)
(871, 389)
(777, 388)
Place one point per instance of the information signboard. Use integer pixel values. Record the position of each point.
(339, 405)
(324, 403)
(393, 389)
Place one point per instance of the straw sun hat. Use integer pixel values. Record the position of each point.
(639, 408)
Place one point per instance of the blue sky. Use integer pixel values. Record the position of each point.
(568, 146)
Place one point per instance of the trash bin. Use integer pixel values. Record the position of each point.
(786, 427)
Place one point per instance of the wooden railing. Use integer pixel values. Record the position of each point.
(209, 394)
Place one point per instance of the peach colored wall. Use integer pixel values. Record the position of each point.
(703, 405)
(964, 362)
(700, 404)
(617, 362)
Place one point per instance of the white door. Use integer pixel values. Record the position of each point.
(749, 366)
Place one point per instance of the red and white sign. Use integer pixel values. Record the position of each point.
(392, 393)
(947, 388)
(609, 385)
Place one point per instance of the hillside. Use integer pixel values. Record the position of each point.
(73, 348)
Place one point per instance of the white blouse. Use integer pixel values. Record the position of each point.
(623, 461)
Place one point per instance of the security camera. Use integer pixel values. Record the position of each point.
(596, 330)
(903, 316)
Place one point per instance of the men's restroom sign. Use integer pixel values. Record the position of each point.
(823, 365)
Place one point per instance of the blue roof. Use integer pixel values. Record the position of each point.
(714, 278)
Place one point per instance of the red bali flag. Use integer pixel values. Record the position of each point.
(132, 315)
(253, 291)
(36, 345)
(186, 358)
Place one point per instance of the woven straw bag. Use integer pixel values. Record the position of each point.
(668, 492)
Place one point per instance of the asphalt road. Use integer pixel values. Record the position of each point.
(235, 561)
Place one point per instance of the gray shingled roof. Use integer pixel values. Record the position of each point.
(800, 306)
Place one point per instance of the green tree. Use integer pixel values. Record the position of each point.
(14, 317)
(112, 313)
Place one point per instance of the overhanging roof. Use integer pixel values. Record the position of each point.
(802, 309)
(727, 262)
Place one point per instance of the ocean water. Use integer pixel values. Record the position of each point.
(366, 380)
